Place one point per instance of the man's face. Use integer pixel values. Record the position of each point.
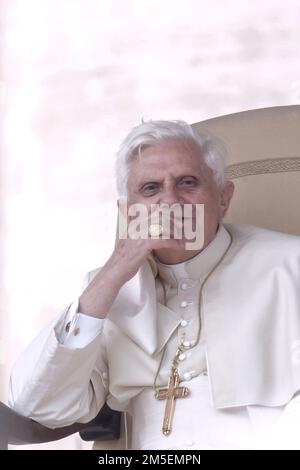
(173, 172)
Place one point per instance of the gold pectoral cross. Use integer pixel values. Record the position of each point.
(171, 394)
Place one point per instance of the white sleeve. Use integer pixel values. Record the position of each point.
(57, 384)
(77, 329)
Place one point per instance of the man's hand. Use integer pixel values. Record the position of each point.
(125, 261)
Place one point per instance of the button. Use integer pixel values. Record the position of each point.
(186, 344)
(187, 284)
(183, 304)
(187, 376)
(182, 357)
(104, 375)
(67, 327)
(183, 323)
(76, 331)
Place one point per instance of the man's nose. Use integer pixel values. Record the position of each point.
(170, 196)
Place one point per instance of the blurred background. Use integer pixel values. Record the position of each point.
(76, 76)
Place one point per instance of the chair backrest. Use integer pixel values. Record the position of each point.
(264, 163)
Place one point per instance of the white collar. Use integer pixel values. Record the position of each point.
(197, 267)
(136, 309)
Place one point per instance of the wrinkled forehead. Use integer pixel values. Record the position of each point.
(168, 157)
(168, 146)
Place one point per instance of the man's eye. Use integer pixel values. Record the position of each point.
(149, 188)
(188, 182)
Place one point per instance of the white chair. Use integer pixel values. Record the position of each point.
(264, 163)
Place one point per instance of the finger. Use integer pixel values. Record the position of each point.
(168, 243)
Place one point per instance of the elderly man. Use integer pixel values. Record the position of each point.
(199, 346)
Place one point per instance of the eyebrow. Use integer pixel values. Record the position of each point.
(178, 178)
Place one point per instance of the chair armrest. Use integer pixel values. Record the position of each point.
(105, 426)
(16, 429)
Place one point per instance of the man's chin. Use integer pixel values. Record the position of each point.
(179, 245)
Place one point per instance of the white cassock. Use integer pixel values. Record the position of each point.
(243, 375)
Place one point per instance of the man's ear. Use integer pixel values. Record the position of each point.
(225, 197)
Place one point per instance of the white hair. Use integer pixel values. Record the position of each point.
(151, 133)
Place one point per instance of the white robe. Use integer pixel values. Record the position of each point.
(249, 341)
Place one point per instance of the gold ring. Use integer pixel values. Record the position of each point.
(155, 230)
